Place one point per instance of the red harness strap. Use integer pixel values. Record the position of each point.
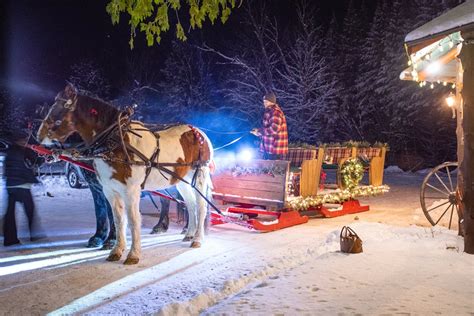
(198, 134)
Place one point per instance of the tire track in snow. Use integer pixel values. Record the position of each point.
(215, 279)
(141, 279)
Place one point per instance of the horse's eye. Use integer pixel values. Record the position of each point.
(58, 122)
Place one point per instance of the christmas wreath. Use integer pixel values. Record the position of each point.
(352, 171)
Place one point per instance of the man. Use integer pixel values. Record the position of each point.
(105, 234)
(103, 214)
(20, 177)
(274, 133)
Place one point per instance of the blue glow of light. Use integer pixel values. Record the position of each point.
(245, 154)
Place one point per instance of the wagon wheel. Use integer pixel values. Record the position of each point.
(438, 194)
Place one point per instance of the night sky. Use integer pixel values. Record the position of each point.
(44, 38)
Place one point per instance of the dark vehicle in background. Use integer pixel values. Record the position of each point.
(50, 169)
(2, 165)
(75, 176)
(3, 148)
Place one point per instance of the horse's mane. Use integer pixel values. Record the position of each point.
(104, 112)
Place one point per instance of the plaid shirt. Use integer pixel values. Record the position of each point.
(274, 132)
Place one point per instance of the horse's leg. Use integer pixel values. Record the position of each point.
(182, 213)
(186, 219)
(202, 184)
(187, 193)
(120, 222)
(132, 203)
(164, 221)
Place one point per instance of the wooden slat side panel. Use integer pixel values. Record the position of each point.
(244, 188)
(229, 184)
(262, 178)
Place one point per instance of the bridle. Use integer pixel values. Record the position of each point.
(69, 105)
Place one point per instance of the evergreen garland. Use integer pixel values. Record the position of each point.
(305, 203)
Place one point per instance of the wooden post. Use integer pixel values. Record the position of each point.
(377, 165)
(465, 133)
(310, 175)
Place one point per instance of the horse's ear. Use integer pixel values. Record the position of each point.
(70, 91)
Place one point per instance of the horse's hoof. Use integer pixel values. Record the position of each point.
(108, 244)
(196, 244)
(188, 238)
(113, 257)
(131, 260)
(158, 230)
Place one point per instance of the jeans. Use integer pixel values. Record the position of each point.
(103, 210)
(9, 225)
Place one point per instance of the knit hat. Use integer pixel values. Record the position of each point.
(270, 96)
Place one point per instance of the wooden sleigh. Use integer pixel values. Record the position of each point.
(255, 183)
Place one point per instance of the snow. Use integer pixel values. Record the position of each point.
(407, 267)
(460, 16)
(393, 169)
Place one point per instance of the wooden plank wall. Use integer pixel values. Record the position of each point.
(261, 189)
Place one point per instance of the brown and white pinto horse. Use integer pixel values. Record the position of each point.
(73, 112)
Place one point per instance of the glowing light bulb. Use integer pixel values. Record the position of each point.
(432, 85)
(433, 67)
(450, 99)
(445, 83)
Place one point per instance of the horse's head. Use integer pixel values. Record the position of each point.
(58, 123)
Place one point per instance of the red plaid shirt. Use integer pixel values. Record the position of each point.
(274, 131)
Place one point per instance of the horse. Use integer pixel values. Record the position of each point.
(164, 221)
(129, 157)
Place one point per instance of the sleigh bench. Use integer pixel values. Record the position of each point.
(307, 165)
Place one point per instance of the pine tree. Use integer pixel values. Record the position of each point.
(354, 29)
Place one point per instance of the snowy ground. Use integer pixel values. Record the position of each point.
(407, 267)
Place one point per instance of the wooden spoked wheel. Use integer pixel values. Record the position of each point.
(438, 194)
